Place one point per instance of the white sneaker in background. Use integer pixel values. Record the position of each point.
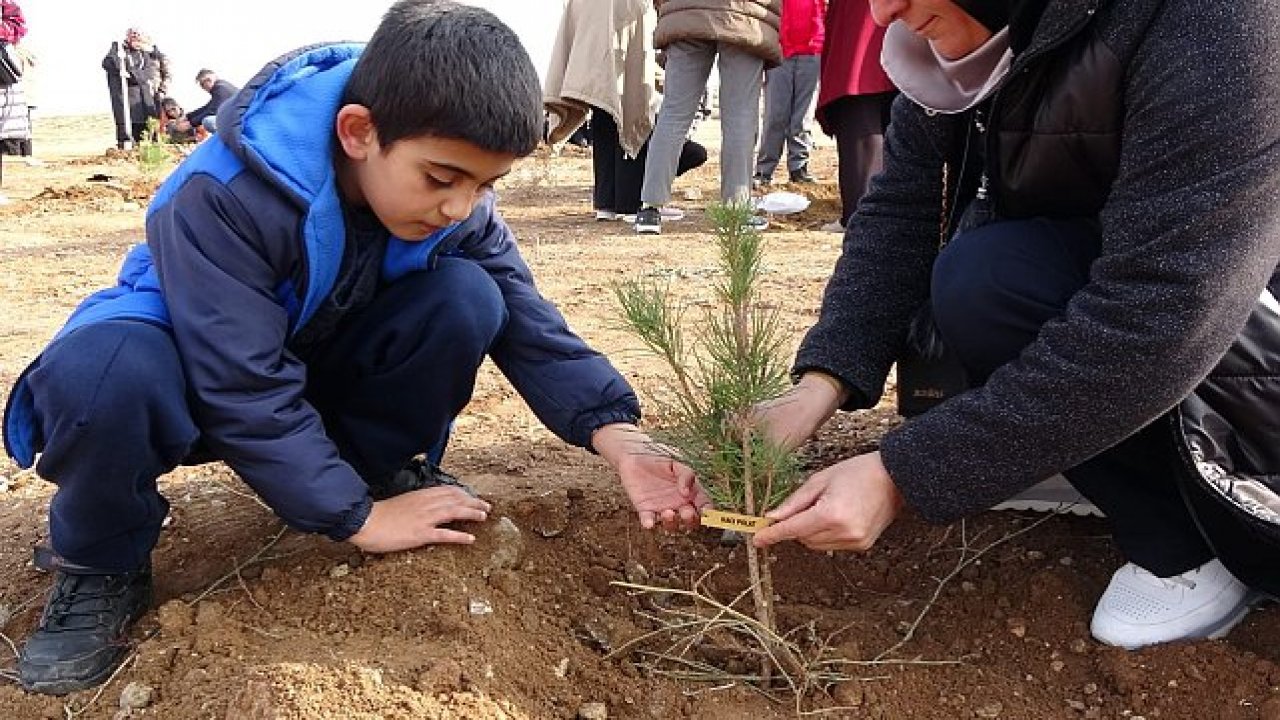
(1139, 609)
(1053, 495)
(671, 214)
(833, 227)
(606, 215)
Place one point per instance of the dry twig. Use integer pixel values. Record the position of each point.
(235, 571)
(966, 559)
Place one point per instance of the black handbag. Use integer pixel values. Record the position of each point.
(929, 372)
(11, 64)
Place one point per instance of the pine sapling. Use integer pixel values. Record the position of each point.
(734, 362)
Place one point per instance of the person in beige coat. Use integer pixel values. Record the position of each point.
(742, 36)
(602, 63)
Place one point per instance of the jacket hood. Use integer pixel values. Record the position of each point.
(271, 124)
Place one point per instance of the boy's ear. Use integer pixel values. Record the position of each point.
(356, 133)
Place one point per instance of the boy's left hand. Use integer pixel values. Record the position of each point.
(660, 489)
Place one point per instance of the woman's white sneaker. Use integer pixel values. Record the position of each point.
(1140, 609)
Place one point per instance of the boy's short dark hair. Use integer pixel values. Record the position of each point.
(440, 69)
(204, 72)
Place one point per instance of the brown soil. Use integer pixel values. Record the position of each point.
(254, 622)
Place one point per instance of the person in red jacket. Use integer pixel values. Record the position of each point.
(788, 92)
(854, 99)
(15, 121)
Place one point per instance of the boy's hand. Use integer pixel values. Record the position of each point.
(414, 519)
(660, 489)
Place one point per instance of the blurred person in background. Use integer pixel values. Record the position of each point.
(15, 116)
(788, 93)
(137, 80)
(854, 98)
(741, 36)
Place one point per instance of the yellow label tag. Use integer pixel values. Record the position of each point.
(734, 521)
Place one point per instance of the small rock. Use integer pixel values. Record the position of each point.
(510, 543)
(1079, 646)
(1017, 626)
(968, 586)
(1035, 555)
(1090, 688)
(209, 613)
(479, 606)
(599, 579)
(593, 711)
(136, 696)
(636, 574)
(1057, 665)
(1066, 561)
(849, 694)
(174, 617)
(595, 635)
(443, 675)
(1077, 705)
(692, 193)
(990, 710)
(561, 669)
(505, 581)
(552, 516)
(339, 571)
(6, 613)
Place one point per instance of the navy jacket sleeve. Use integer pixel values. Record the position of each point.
(570, 387)
(219, 273)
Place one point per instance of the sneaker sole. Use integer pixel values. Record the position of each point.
(66, 687)
(1055, 495)
(1222, 628)
(1216, 631)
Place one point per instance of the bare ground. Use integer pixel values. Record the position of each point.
(253, 621)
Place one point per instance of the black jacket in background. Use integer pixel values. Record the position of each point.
(221, 92)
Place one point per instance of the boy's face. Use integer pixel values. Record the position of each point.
(420, 184)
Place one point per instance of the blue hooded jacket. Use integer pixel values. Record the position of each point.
(244, 242)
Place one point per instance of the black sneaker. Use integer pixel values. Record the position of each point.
(417, 474)
(802, 176)
(649, 221)
(84, 632)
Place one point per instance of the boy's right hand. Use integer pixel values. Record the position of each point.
(413, 519)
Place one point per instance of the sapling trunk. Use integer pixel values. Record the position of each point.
(735, 363)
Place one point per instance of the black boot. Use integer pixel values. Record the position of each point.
(84, 632)
(803, 176)
(417, 474)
